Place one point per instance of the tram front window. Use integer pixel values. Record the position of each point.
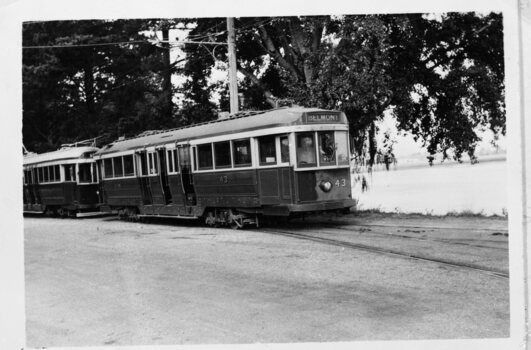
(342, 148)
(327, 148)
(306, 150)
(85, 175)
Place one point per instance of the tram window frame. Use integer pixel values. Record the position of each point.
(323, 152)
(57, 173)
(240, 159)
(172, 161)
(312, 147)
(129, 171)
(70, 172)
(223, 153)
(106, 163)
(281, 149)
(118, 166)
(46, 173)
(204, 153)
(264, 155)
(153, 168)
(142, 163)
(82, 173)
(342, 148)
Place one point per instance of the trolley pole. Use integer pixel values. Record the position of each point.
(233, 80)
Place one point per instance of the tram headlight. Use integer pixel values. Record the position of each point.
(326, 186)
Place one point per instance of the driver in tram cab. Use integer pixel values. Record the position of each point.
(306, 150)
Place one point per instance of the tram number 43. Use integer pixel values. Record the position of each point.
(223, 179)
(341, 182)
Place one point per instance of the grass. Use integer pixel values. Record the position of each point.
(429, 213)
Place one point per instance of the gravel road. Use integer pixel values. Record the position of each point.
(101, 281)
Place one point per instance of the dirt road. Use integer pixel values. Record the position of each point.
(101, 281)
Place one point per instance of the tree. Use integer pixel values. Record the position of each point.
(441, 75)
(84, 79)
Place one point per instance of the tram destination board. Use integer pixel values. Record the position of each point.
(322, 118)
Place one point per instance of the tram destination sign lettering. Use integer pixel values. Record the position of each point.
(321, 118)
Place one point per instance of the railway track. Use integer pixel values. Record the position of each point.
(351, 228)
(356, 246)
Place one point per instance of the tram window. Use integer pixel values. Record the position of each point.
(306, 150)
(85, 175)
(57, 173)
(39, 175)
(175, 161)
(152, 162)
(68, 174)
(129, 169)
(26, 177)
(222, 154)
(46, 173)
(169, 159)
(267, 150)
(94, 173)
(327, 148)
(143, 164)
(107, 167)
(284, 149)
(241, 152)
(173, 166)
(118, 166)
(342, 148)
(204, 156)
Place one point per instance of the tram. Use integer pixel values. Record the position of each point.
(232, 171)
(62, 182)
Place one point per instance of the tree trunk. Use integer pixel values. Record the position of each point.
(372, 143)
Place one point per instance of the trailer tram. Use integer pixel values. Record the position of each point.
(62, 182)
(232, 171)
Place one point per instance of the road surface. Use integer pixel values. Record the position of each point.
(100, 281)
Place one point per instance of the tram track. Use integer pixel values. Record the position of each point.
(391, 252)
(350, 228)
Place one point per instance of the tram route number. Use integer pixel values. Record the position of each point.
(223, 179)
(341, 182)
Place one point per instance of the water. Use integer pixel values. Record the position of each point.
(438, 190)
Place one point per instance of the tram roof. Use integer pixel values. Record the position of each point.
(61, 154)
(240, 122)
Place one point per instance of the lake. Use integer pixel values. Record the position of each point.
(438, 190)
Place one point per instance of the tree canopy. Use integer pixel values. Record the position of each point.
(441, 75)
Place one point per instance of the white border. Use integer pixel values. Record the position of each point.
(13, 12)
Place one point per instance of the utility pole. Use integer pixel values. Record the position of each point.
(233, 80)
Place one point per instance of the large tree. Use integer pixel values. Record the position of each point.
(83, 79)
(442, 75)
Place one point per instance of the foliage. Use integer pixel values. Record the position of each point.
(88, 88)
(441, 75)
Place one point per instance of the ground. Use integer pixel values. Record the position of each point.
(100, 281)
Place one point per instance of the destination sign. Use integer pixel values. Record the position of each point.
(322, 118)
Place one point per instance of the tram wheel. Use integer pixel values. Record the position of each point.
(62, 213)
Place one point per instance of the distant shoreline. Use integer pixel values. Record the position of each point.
(417, 164)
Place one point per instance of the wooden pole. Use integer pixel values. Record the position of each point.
(233, 80)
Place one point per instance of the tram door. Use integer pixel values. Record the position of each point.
(187, 181)
(34, 187)
(163, 175)
(143, 179)
(31, 187)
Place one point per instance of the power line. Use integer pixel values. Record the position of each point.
(126, 42)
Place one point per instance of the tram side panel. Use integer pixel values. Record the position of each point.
(227, 189)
